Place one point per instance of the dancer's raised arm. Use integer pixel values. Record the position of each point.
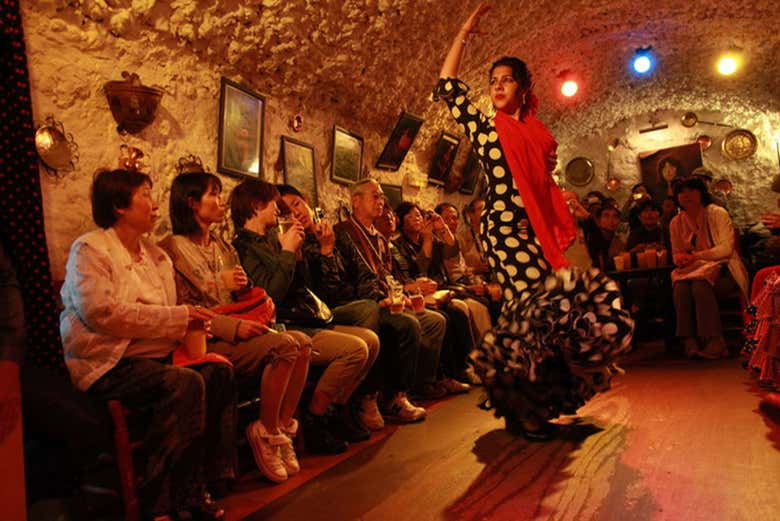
(451, 65)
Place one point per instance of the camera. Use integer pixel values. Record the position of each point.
(319, 215)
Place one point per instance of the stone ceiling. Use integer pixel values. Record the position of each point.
(371, 58)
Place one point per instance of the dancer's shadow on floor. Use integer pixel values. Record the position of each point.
(768, 409)
(518, 474)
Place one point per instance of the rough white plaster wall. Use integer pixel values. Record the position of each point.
(358, 63)
(70, 58)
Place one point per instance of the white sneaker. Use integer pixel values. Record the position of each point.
(267, 450)
(370, 417)
(399, 408)
(289, 459)
(452, 386)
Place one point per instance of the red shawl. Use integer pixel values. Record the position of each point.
(526, 146)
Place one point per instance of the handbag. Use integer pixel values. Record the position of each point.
(308, 310)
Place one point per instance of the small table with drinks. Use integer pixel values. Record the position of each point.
(649, 273)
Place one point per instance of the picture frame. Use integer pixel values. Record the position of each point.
(443, 157)
(400, 141)
(240, 130)
(394, 193)
(347, 158)
(658, 177)
(299, 168)
(472, 173)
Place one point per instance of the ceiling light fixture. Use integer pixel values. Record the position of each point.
(729, 62)
(569, 88)
(643, 61)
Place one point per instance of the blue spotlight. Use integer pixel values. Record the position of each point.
(643, 61)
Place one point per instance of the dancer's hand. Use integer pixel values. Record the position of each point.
(471, 26)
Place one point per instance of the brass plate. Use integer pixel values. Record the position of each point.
(579, 171)
(739, 144)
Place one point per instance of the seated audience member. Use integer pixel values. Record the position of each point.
(717, 197)
(457, 272)
(367, 273)
(119, 329)
(326, 270)
(649, 297)
(639, 194)
(470, 244)
(273, 261)
(649, 234)
(268, 364)
(418, 265)
(702, 237)
(604, 244)
(668, 212)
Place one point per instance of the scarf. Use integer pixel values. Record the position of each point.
(526, 146)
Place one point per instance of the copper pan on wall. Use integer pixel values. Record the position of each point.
(689, 119)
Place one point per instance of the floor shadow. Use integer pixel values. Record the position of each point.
(770, 413)
(768, 408)
(518, 474)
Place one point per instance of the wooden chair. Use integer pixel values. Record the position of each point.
(123, 452)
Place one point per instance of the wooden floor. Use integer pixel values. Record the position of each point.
(673, 440)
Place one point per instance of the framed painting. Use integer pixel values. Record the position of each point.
(446, 149)
(394, 194)
(401, 139)
(298, 161)
(472, 173)
(240, 130)
(347, 163)
(660, 167)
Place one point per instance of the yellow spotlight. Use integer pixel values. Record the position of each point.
(728, 64)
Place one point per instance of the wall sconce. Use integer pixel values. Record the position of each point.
(132, 104)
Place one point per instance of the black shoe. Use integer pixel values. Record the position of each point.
(429, 391)
(317, 437)
(345, 424)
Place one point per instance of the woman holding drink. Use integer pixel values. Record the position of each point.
(267, 363)
(560, 328)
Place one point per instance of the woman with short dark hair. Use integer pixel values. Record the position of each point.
(708, 264)
(119, 328)
(267, 363)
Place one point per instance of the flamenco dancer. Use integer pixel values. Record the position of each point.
(560, 328)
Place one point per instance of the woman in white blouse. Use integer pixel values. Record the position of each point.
(707, 264)
(119, 327)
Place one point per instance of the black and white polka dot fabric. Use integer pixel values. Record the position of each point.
(558, 332)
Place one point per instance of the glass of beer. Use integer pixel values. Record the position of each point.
(285, 223)
(195, 340)
(396, 298)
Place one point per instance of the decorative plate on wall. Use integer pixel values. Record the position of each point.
(739, 144)
(579, 171)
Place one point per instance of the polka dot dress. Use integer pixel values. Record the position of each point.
(558, 332)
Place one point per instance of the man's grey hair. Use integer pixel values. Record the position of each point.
(359, 187)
